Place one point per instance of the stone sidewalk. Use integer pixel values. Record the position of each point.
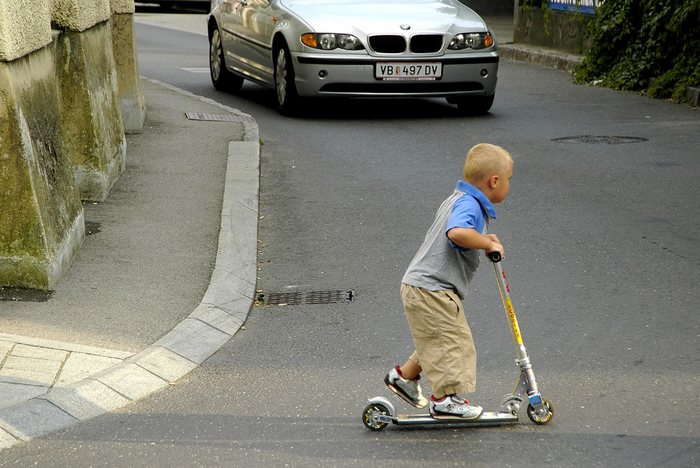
(52, 373)
(30, 367)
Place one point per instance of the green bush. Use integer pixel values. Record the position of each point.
(645, 44)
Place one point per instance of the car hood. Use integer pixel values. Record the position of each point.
(386, 16)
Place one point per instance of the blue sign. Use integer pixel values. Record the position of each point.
(580, 6)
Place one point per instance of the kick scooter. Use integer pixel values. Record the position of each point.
(380, 412)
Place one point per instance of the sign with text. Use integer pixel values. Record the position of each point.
(580, 6)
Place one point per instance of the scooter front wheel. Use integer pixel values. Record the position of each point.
(370, 416)
(544, 415)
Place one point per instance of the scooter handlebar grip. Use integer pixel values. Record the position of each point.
(495, 257)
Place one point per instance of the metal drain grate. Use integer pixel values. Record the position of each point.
(284, 298)
(600, 139)
(310, 297)
(214, 117)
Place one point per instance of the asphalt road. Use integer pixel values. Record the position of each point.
(602, 259)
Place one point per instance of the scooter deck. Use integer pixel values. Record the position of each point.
(487, 418)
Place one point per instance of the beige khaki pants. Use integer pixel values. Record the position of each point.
(444, 344)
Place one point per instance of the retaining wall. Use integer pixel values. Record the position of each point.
(553, 29)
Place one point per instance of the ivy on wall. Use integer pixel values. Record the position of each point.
(645, 44)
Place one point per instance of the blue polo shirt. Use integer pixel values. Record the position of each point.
(470, 210)
(439, 264)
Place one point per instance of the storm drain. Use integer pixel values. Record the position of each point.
(23, 295)
(600, 139)
(214, 117)
(309, 297)
(92, 227)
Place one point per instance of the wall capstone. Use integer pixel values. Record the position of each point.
(79, 15)
(123, 6)
(24, 27)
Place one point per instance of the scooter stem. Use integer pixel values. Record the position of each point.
(522, 359)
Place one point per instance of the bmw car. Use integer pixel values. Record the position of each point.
(354, 49)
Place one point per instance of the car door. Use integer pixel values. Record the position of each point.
(247, 26)
(258, 23)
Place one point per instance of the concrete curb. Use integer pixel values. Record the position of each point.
(221, 313)
(540, 56)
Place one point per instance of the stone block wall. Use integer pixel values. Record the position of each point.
(559, 30)
(92, 127)
(61, 127)
(41, 217)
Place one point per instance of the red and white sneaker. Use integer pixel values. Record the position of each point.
(409, 390)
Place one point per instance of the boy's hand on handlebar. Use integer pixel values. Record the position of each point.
(495, 246)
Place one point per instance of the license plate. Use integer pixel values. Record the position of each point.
(408, 71)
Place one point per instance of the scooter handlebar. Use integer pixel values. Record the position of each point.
(495, 257)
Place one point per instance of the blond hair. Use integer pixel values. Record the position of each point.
(485, 160)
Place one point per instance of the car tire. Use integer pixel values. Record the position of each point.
(285, 89)
(221, 78)
(477, 105)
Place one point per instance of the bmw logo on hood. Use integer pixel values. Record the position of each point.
(405, 27)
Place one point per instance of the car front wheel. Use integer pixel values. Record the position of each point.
(285, 88)
(221, 78)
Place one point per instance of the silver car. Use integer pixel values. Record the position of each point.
(354, 48)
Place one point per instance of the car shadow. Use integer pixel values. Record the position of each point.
(359, 108)
(379, 109)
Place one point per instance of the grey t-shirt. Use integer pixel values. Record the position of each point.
(439, 264)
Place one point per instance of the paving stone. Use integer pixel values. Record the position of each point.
(163, 363)
(26, 377)
(194, 340)
(33, 418)
(29, 371)
(217, 318)
(13, 393)
(35, 352)
(65, 346)
(79, 366)
(131, 380)
(86, 399)
(5, 348)
(6, 439)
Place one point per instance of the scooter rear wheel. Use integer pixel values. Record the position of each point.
(369, 416)
(543, 417)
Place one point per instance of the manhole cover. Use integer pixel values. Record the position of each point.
(214, 117)
(310, 297)
(600, 139)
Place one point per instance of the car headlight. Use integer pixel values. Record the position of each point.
(471, 40)
(330, 41)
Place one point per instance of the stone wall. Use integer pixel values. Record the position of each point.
(560, 30)
(62, 96)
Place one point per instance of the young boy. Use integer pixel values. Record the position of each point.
(436, 282)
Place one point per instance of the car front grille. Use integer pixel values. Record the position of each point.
(394, 44)
(426, 43)
(387, 44)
